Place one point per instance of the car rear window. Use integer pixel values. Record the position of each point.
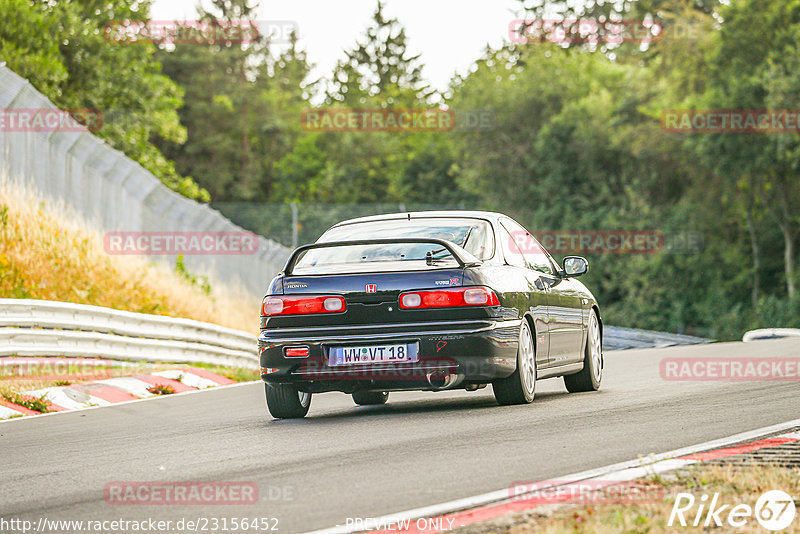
(473, 235)
(373, 258)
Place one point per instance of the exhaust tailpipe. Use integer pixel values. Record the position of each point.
(440, 379)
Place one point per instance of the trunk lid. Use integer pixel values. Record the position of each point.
(371, 298)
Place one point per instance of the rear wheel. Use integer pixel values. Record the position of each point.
(519, 388)
(370, 398)
(591, 375)
(285, 401)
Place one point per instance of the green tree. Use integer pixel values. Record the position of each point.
(757, 74)
(242, 108)
(380, 67)
(64, 50)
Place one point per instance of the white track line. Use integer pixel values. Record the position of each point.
(635, 469)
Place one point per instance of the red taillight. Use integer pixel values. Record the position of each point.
(301, 305)
(296, 352)
(444, 298)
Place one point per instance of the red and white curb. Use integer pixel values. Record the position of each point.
(8, 409)
(116, 390)
(454, 514)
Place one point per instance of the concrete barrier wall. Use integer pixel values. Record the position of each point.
(114, 193)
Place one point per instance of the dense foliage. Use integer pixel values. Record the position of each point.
(575, 141)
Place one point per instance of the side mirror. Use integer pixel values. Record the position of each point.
(575, 266)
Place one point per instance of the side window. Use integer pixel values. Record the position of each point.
(510, 249)
(480, 243)
(533, 252)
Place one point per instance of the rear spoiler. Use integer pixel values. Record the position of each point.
(464, 258)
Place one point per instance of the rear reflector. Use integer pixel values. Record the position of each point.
(300, 305)
(296, 352)
(410, 300)
(476, 296)
(445, 298)
(268, 370)
(333, 304)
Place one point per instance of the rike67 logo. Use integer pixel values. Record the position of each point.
(774, 510)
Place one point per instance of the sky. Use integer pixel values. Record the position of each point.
(450, 34)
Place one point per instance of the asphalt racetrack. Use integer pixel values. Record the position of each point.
(344, 461)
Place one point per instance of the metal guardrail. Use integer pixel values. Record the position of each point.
(46, 328)
(770, 333)
(618, 338)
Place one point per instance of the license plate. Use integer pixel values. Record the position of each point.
(367, 354)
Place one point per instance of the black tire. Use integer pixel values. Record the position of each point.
(515, 389)
(285, 401)
(592, 373)
(370, 398)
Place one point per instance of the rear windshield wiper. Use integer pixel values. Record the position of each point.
(430, 260)
(466, 237)
(429, 257)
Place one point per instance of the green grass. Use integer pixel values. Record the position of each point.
(237, 374)
(161, 389)
(37, 404)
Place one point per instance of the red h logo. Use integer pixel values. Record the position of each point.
(372, 288)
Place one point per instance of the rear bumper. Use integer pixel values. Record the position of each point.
(469, 352)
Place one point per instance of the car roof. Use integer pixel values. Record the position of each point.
(459, 214)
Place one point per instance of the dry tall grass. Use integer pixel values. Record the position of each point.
(50, 253)
(735, 485)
